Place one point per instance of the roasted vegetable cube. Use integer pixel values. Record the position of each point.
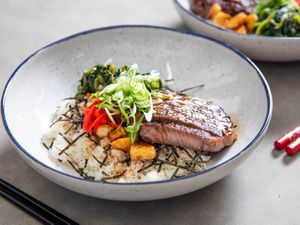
(117, 133)
(142, 151)
(241, 29)
(221, 19)
(214, 10)
(123, 144)
(236, 21)
(250, 20)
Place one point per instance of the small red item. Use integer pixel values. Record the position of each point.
(293, 147)
(286, 139)
(298, 2)
(95, 117)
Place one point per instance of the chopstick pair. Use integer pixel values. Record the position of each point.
(32, 206)
(290, 141)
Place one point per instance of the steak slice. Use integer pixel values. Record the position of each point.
(190, 123)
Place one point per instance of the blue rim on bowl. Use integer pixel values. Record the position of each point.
(202, 20)
(238, 53)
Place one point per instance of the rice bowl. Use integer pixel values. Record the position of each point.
(58, 64)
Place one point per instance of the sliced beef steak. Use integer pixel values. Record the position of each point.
(189, 123)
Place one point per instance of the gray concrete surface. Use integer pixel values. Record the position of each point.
(263, 190)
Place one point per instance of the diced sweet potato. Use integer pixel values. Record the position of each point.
(103, 130)
(241, 29)
(142, 151)
(215, 8)
(221, 19)
(236, 20)
(250, 20)
(122, 144)
(117, 133)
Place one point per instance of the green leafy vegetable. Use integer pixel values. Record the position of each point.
(97, 78)
(278, 18)
(130, 95)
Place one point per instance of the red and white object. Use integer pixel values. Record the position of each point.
(293, 147)
(286, 139)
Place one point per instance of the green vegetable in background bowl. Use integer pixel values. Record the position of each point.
(279, 18)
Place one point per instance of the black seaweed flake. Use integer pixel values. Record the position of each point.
(179, 166)
(69, 98)
(71, 143)
(91, 139)
(80, 171)
(75, 122)
(70, 128)
(146, 167)
(60, 119)
(107, 148)
(174, 174)
(101, 164)
(187, 152)
(169, 80)
(85, 163)
(106, 155)
(51, 145)
(64, 138)
(173, 148)
(104, 160)
(159, 167)
(105, 174)
(43, 143)
(75, 168)
(191, 88)
(114, 177)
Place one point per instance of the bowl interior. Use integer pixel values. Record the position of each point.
(49, 76)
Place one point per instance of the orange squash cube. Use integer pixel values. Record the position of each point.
(142, 151)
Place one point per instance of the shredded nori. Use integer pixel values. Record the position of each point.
(174, 174)
(71, 143)
(45, 146)
(114, 177)
(146, 167)
(191, 88)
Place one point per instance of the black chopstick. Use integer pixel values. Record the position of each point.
(32, 206)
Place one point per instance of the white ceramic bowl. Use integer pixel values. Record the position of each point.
(46, 77)
(256, 47)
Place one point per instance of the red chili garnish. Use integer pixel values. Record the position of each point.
(298, 2)
(293, 147)
(95, 117)
(283, 141)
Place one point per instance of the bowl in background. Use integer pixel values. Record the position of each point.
(264, 48)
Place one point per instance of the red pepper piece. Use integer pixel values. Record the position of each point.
(283, 141)
(99, 121)
(88, 118)
(293, 147)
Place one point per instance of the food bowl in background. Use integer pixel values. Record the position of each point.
(264, 48)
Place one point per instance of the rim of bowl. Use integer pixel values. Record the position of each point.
(256, 139)
(202, 20)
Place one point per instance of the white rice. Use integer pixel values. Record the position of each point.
(95, 159)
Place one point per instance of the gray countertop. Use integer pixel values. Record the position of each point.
(263, 190)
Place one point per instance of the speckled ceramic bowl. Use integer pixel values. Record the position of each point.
(256, 47)
(46, 77)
